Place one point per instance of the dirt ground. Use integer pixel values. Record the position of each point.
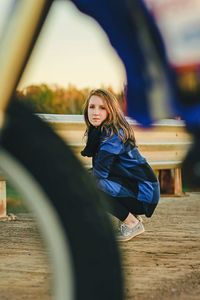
(161, 264)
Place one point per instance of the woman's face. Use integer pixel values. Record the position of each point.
(97, 112)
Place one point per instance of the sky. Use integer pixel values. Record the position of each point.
(73, 49)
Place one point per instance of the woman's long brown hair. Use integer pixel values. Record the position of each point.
(116, 121)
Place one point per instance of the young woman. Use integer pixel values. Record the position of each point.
(126, 178)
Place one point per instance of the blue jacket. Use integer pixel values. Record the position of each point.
(121, 171)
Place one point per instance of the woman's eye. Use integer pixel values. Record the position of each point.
(103, 107)
(91, 106)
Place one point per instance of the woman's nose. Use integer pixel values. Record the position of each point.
(96, 111)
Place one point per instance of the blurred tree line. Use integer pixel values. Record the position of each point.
(58, 100)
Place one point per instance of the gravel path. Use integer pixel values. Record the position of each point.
(163, 263)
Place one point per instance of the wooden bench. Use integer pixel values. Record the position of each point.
(164, 145)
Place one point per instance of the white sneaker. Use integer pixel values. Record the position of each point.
(126, 233)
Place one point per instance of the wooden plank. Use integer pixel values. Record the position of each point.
(72, 128)
(178, 189)
(2, 198)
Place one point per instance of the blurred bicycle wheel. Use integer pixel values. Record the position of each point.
(73, 206)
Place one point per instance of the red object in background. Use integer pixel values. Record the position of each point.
(179, 24)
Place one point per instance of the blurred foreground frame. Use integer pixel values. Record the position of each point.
(33, 157)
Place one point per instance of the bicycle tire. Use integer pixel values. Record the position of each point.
(72, 193)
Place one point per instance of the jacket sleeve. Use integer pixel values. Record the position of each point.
(106, 156)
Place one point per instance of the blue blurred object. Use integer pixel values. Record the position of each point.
(152, 91)
(134, 35)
